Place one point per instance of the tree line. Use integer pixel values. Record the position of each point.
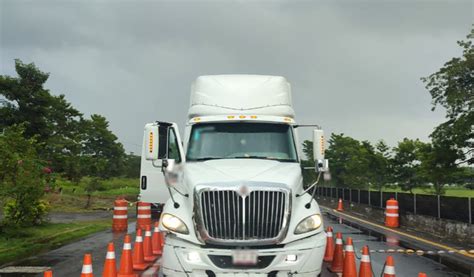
(446, 160)
(70, 143)
(42, 138)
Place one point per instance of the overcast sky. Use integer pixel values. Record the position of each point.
(354, 66)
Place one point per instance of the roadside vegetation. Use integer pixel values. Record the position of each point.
(443, 166)
(20, 243)
(54, 159)
(74, 197)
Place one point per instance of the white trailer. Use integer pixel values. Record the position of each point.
(233, 188)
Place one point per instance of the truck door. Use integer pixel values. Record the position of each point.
(152, 182)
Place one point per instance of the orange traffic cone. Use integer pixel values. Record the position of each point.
(389, 269)
(365, 269)
(156, 241)
(126, 261)
(48, 273)
(147, 246)
(138, 256)
(87, 266)
(349, 269)
(340, 206)
(338, 258)
(329, 246)
(110, 267)
(422, 274)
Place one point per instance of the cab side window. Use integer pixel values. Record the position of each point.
(173, 149)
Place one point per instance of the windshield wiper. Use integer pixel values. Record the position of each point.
(264, 158)
(205, 159)
(251, 157)
(283, 160)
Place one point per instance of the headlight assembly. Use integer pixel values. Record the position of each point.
(308, 224)
(174, 224)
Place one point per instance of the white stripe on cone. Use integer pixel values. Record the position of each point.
(110, 256)
(338, 241)
(156, 230)
(365, 259)
(147, 234)
(138, 239)
(87, 268)
(349, 248)
(329, 234)
(389, 270)
(127, 246)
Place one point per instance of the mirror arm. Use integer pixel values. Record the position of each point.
(182, 194)
(308, 205)
(163, 167)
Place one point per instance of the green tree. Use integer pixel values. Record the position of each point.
(406, 164)
(103, 154)
(382, 167)
(22, 179)
(438, 166)
(73, 145)
(50, 119)
(452, 87)
(349, 161)
(131, 166)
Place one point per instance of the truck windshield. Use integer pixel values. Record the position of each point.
(241, 141)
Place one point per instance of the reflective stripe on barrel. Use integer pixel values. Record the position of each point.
(391, 213)
(143, 215)
(120, 218)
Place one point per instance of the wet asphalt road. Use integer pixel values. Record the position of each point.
(67, 260)
(405, 265)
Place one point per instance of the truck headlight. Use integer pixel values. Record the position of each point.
(174, 224)
(308, 224)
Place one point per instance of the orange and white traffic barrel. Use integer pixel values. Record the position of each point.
(120, 219)
(143, 215)
(391, 213)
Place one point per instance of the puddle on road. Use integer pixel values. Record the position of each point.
(395, 242)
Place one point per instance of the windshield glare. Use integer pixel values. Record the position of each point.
(241, 140)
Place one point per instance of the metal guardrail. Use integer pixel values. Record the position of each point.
(446, 207)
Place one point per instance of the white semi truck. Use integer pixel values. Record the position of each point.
(233, 190)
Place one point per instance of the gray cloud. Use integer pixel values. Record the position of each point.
(354, 65)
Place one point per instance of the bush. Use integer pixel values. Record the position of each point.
(17, 213)
(22, 179)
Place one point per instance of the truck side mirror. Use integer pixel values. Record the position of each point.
(151, 141)
(322, 164)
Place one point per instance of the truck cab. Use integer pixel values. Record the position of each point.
(233, 190)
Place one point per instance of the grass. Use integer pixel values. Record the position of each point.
(73, 197)
(109, 187)
(20, 243)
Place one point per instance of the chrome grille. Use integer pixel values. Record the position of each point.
(228, 216)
